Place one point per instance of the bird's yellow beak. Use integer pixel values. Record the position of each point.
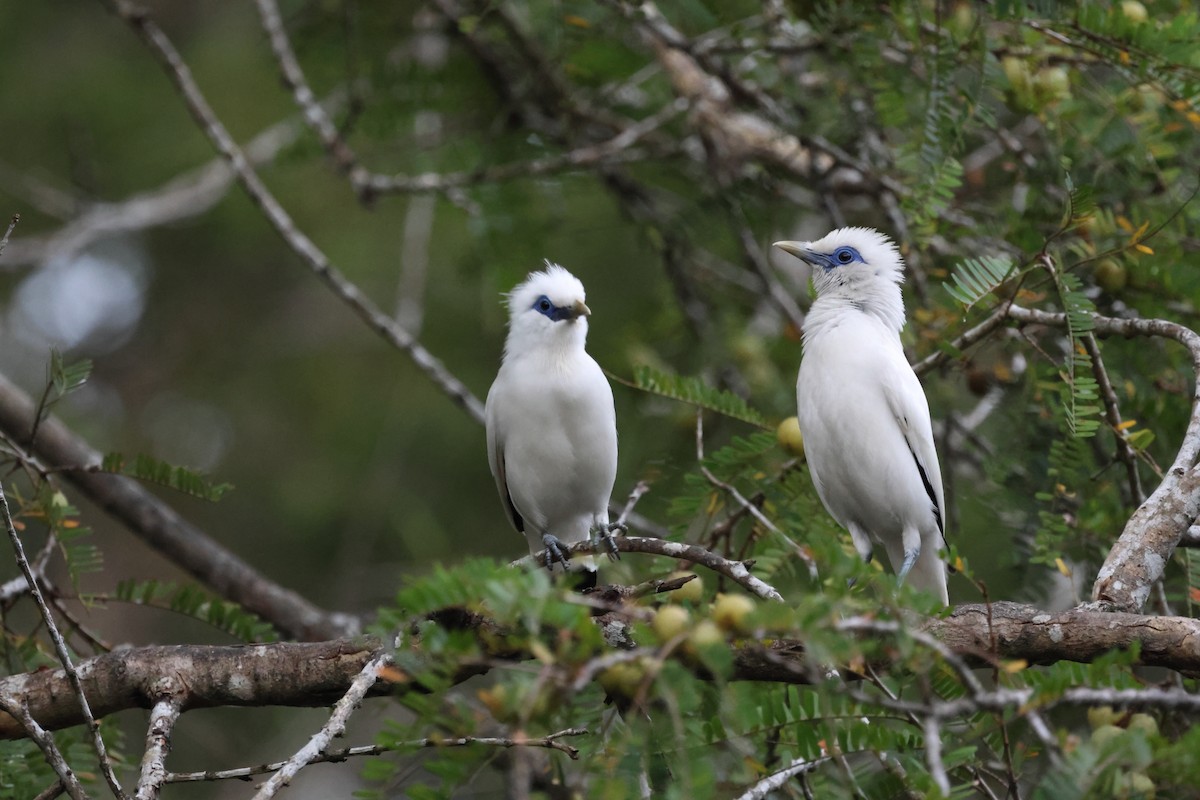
(580, 309)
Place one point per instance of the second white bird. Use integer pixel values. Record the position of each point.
(865, 420)
(551, 422)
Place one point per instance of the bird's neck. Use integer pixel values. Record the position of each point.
(561, 344)
(879, 299)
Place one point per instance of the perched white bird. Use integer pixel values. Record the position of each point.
(551, 423)
(863, 414)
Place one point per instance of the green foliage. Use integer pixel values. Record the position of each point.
(191, 601)
(694, 391)
(976, 278)
(151, 470)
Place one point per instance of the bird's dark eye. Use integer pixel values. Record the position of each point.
(844, 256)
(544, 304)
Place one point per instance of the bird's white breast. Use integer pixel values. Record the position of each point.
(560, 440)
(853, 376)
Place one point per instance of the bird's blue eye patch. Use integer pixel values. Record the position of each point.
(543, 305)
(845, 255)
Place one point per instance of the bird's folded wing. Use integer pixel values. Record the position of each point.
(908, 404)
(495, 446)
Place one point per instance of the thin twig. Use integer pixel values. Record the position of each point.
(60, 647)
(16, 708)
(1112, 411)
(12, 224)
(549, 741)
(312, 256)
(933, 753)
(1139, 557)
(776, 780)
(52, 791)
(734, 570)
(751, 508)
(639, 489)
(318, 121)
(335, 726)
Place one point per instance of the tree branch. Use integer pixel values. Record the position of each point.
(316, 674)
(734, 570)
(312, 256)
(163, 717)
(551, 741)
(1138, 559)
(335, 726)
(163, 529)
(64, 655)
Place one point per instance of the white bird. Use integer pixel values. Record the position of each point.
(861, 408)
(551, 423)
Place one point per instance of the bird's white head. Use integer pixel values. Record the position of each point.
(547, 310)
(858, 266)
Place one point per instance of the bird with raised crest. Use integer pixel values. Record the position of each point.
(552, 425)
(865, 420)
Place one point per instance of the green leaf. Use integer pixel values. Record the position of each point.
(65, 377)
(976, 278)
(151, 470)
(695, 392)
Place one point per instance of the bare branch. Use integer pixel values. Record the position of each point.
(15, 707)
(282, 673)
(933, 753)
(1138, 559)
(1112, 412)
(616, 150)
(312, 256)
(550, 741)
(291, 674)
(183, 197)
(162, 528)
(60, 649)
(734, 570)
(7, 233)
(776, 780)
(750, 508)
(318, 121)
(335, 726)
(163, 717)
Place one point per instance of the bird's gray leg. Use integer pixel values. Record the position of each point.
(862, 543)
(555, 551)
(912, 549)
(602, 536)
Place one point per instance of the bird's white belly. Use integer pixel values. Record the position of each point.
(861, 464)
(561, 461)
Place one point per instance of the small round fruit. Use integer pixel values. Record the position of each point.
(1017, 72)
(1052, 83)
(671, 621)
(690, 592)
(730, 612)
(789, 436)
(1111, 276)
(1144, 723)
(1105, 734)
(705, 634)
(623, 679)
(1099, 716)
(1140, 785)
(1134, 11)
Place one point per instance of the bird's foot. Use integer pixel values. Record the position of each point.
(605, 536)
(910, 558)
(556, 551)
